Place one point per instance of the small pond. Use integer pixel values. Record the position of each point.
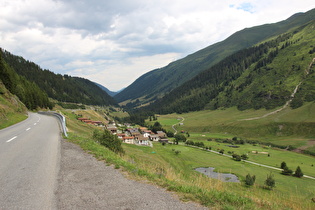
(221, 176)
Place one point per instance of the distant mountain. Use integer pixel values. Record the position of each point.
(155, 84)
(111, 93)
(62, 88)
(263, 76)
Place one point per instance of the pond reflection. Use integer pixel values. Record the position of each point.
(221, 176)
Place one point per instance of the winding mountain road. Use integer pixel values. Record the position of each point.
(29, 161)
(39, 170)
(173, 126)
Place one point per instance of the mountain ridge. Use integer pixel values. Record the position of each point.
(156, 83)
(63, 88)
(262, 76)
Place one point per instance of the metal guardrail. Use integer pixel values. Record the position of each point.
(61, 119)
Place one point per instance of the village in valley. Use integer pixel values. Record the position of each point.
(129, 134)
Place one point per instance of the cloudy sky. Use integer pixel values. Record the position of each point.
(113, 42)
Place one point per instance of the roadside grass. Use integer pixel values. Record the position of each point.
(180, 168)
(11, 119)
(12, 110)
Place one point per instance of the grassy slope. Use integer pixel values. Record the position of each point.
(161, 166)
(12, 110)
(288, 127)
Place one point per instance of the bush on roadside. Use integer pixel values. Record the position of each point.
(108, 140)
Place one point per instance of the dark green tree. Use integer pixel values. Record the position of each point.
(287, 171)
(180, 137)
(250, 180)
(283, 165)
(298, 172)
(170, 134)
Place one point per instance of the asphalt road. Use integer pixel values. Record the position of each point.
(38, 170)
(29, 163)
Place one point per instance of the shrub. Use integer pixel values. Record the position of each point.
(199, 144)
(244, 157)
(250, 180)
(236, 157)
(177, 152)
(270, 181)
(108, 140)
(287, 171)
(189, 142)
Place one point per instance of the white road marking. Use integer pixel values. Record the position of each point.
(38, 118)
(28, 129)
(35, 123)
(12, 139)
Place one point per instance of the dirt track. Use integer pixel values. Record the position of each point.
(85, 183)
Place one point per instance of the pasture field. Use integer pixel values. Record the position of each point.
(288, 127)
(259, 154)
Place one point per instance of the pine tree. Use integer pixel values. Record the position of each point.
(283, 165)
(298, 172)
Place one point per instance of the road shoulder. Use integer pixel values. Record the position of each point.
(86, 183)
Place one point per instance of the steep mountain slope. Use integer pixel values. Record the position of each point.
(263, 76)
(28, 92)
(12, 110)
(157, 83)
(63, 88)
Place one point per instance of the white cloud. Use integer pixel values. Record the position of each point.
(115, 42)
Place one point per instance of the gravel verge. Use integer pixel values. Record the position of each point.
(86, 183)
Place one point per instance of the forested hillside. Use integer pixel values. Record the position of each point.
(28, 92)
(263, 76)
(63, 88)
(157, 83)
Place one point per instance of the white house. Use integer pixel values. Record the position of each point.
(154, 137)
(129, 139)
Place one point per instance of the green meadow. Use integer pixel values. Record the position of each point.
(163, 166)
(162, 159)
(293, 127)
